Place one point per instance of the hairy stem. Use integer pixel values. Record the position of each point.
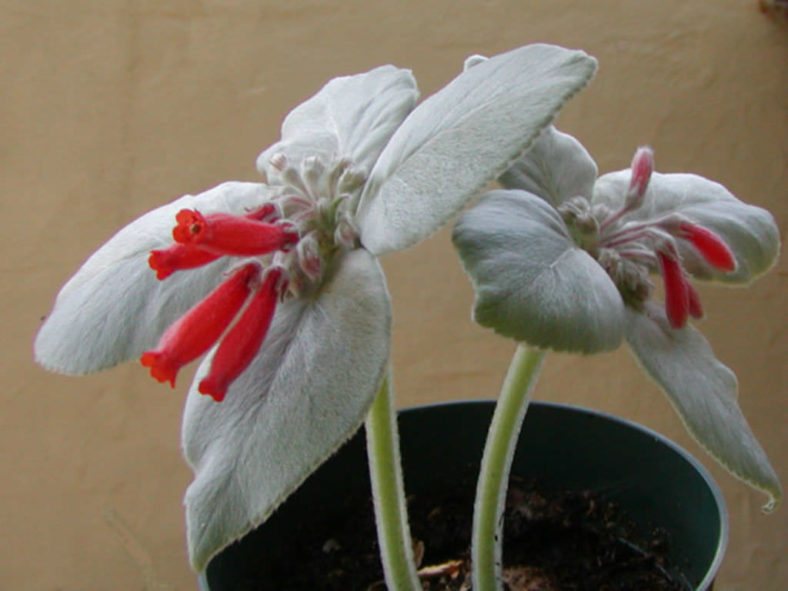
(496, 465)
(396, 548)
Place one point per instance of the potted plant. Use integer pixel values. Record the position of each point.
(278, 287)
(326, 522)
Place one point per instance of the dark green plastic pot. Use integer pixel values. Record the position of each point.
(656, 482)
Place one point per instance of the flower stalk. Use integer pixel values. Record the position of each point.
(388, 493)
(496, 464)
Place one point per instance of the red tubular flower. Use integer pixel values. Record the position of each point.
(177, 258)
(677, 295)
(710, 246)
(199, 240)
(232, 235)
(197, 330)
(243, 340)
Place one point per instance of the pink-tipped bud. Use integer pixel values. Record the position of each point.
(346, 234)
(677, 297)
(278, 161)
(709, 245)
(242, 342)
(642, 168)
(309, 259)
(231, 235)
(265, 213)
(197, 330)
(177, 258)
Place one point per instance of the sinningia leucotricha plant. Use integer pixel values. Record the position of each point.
(563, 259)
(278, 286)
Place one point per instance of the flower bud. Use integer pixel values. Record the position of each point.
(642, 168)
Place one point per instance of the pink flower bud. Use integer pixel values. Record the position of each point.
(642, 167)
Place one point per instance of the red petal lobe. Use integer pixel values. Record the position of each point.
(190, 227)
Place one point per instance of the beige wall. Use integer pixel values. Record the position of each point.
(109, 108)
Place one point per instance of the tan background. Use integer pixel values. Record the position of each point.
(111, 107)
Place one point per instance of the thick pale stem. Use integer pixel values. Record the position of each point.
(388, 493)
(496, 464)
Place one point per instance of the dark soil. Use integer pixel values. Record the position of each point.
(556, 541)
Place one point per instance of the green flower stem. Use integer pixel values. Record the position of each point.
(496, 465)
(388, 493)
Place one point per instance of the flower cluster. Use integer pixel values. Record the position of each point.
(284, 245)
(277, 286)
(631, 250)
(563, 260)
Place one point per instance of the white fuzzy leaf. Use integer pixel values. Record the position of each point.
(463, 137)
(532, 282)
(114, 308)
(557, 167)
(306, 392)
(749, 231)
(703, 391)
(351, 116)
